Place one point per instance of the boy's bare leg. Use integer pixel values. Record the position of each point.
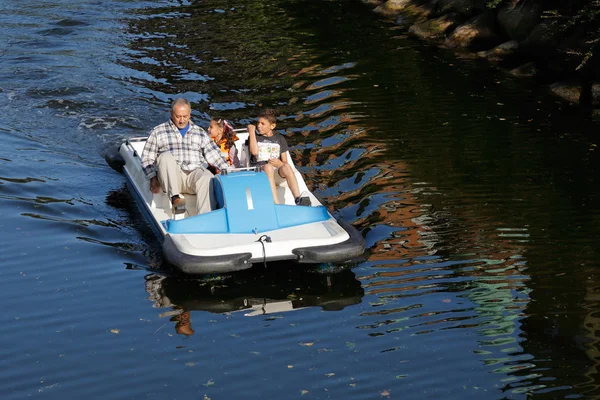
(270, 171)
(285, 171)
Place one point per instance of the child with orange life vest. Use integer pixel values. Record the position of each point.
(223, 135)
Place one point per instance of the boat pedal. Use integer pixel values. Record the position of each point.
(178, 206)
(303, 201)
(179, 209)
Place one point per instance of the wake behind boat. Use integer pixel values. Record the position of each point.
(246, 228)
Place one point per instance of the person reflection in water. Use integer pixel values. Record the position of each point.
(183, 324)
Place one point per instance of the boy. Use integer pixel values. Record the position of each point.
(268, 149)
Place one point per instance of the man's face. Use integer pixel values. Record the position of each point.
(181, 116)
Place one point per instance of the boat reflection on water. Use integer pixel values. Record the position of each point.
(275, 289)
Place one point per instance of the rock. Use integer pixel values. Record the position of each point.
(596, 95)
(543, 35)
(466, 8)
(434, 29)
(542, 46)
(475, 34)
(566, 91)
(553, 48)
(525, 70)
(518, 19)
(420, 10)
(392, 7)
(501, 52)
(373, 2)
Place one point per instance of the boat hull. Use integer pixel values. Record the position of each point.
(248, 228)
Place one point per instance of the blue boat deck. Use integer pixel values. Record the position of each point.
(247, 206)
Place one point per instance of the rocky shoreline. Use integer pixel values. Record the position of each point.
(527, 38)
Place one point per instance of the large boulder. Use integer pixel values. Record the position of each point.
(558, 50)
(596, 95)
(373, 2)
(502, 53)
(541, 46)
(517, 19)
(392, 7)
(476, 34)
(435, 28)
(542, 36)
(526, 70)
(420, 9)
(567, 91)
(411, 9)
(466, 8)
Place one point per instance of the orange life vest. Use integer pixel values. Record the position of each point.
(224, 149)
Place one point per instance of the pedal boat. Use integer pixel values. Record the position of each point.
(246, 228)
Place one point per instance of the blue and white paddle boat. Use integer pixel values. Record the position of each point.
(247, 228)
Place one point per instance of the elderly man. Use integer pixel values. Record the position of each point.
(176, 157)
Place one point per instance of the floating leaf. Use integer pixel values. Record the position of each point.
(290, 366)
(329, 375)
(303, 392)
(115, 331)
(209, 383)
(307, 344)
(385, 393)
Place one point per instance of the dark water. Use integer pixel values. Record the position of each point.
(477, 194)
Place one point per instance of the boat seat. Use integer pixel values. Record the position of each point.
(244, 156)
(249, 202)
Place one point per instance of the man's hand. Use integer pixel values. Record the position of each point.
(154, 185)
